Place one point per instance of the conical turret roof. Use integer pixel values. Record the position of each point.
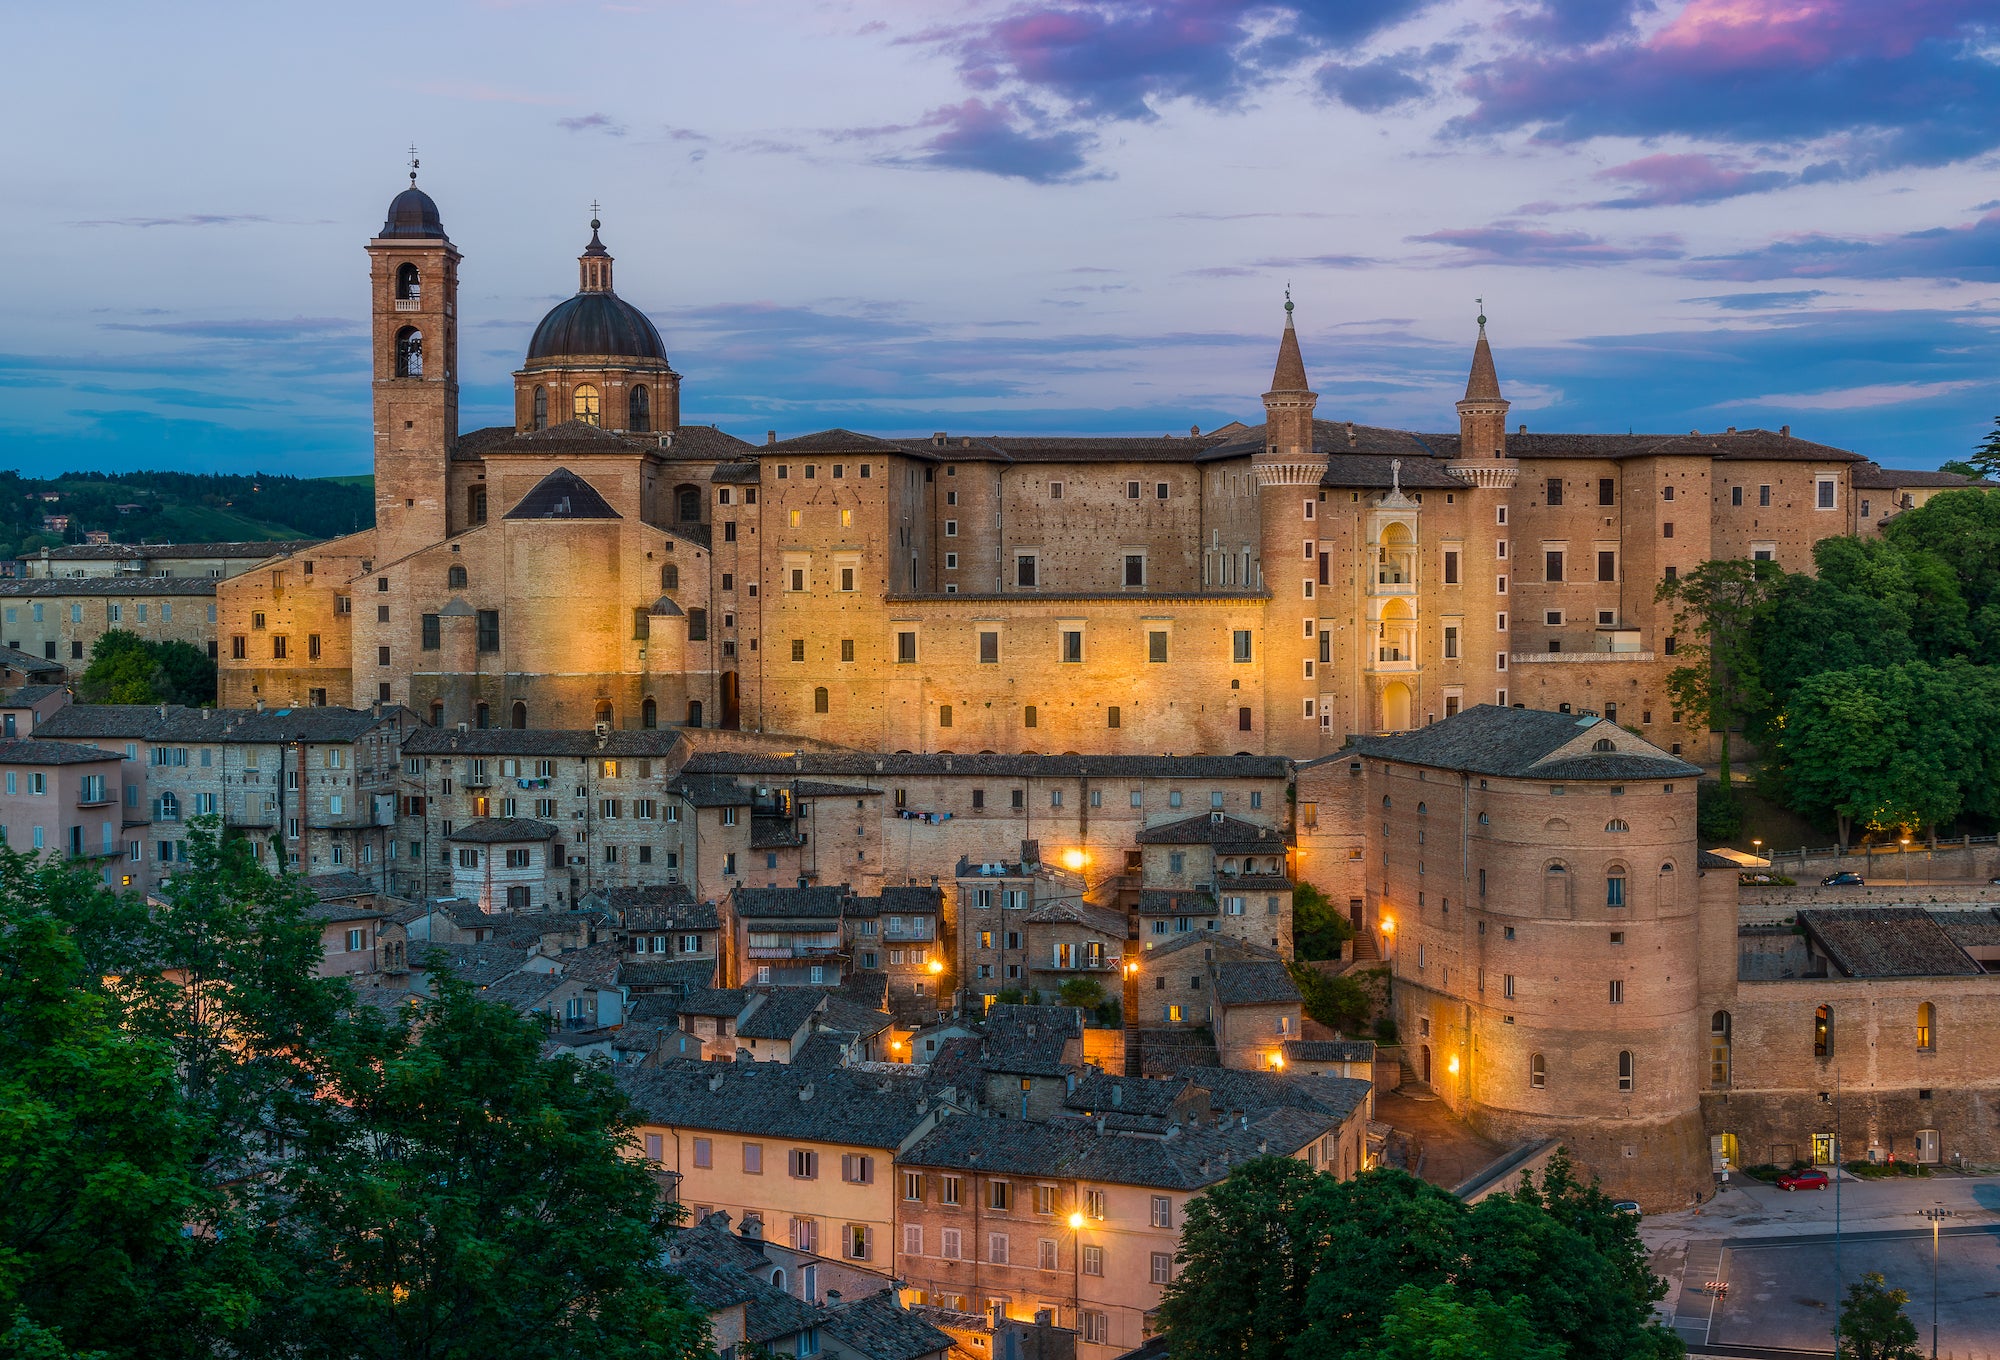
(1290, 375)
(1484, 384)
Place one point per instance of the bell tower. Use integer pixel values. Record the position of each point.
(1288, 470)
(413, 279)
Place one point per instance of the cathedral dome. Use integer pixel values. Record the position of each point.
(412, 213)
(593, 324)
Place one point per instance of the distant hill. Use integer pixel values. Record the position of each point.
(178, 507)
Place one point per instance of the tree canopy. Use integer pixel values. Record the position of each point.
(209, 1149)
(1281, 1262)
(127, 669)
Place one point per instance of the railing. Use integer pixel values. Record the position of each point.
(1538, 658)
(409, 304)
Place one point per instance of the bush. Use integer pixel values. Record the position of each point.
(1083, 993)
(1340, 1002)
(1318, 929)
(1385, 1030)
(1764, 1171)
(1009, 996)
(1110, 1015)
(1718, 812)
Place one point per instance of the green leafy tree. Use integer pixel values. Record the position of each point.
(1382, 1225)
(1961, 530)
(476, 1199)
(126, 669)
(1319, 929)
(1440, 1324)
(1247, 1256)
(1083, 993)
(1338, 1002)
(1872, 1323)
(1985, 458)
(1716, 607)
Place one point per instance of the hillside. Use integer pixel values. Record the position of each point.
(178, 507)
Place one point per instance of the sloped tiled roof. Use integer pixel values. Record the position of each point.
(865, 1109)
(1527, 743)
(1207, 828)
(780, 1013)
(1329, 1050)
(563, 495)
(499, 830)
(1253, 982)
(1882, 942)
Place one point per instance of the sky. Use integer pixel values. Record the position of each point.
(1054, 216)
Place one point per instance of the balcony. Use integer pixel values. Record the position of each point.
(1575, 658)
(409, 304)
(1103, 964)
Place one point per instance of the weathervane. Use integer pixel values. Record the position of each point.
(413, 165)
(1482, 310)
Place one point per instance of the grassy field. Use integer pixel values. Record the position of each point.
(366, 479)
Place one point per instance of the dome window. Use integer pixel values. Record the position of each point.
(639, 411)
(409, 353)
(584, 405)
(541, 408)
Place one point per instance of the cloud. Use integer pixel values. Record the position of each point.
(1861, 398)
(1668, 180)
(184, 220)
(1385, 82)
(1576, 22)
(179, 396)
(994, 139)
(248, 328)
(1862, 84)
(1966, 253)
(1510, 245)
(592, 122)
(1762, 302)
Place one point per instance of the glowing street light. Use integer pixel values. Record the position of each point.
(1076, 1222)
(1074, 860)
(937, 965)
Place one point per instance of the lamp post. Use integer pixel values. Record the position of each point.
(1906, 861)
(1757, 846)
(1076, 1269)
(1936, 1214)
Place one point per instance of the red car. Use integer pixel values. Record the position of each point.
(1802, 1180)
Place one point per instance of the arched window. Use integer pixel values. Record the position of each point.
(1603, 744)
(481, 715)
(1614, 886)
(778, 1279)
(694, 713)
(649, 715)
(670, 577)
(1624, 1069)
(409, 353)
(602, 713)
(1385, 801)
(1718, 1049)
(1538, 1072)
(1423, 811)
(1823, 1032)
(820, 699)
(1617, 824)
(409, 284)
(639, 411)
(170, 805)
(519, 717)
(687, 505)
(1926, 1027)
(541, 408)
(1555, 867)
(454, 577)
(1667, 867)
(583, 405)
(437, 713)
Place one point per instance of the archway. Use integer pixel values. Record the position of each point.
(520, 714)
(1396, 705)
(732, 702)
(1424, 1063)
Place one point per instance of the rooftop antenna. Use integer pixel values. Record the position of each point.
(413, 165)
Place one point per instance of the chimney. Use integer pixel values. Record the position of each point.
(938, 438)
(806, 1091)
(1785, 431)
(1522, 430)
(770, 436)
(1194, 432)
(1031, 852)
(260, 708)
(1350, 434)
(832, 1297)
(715, 1082)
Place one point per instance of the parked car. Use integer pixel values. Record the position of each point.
(1809, 1179)
(1846, 878)
(1628, 1206)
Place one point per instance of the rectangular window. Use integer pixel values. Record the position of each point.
(1824, 489)
(1554, 560)
(804, 1164)
(1072, 646)
(1163, 1211)
(1607, 565)
(1507, 985)
(1450, 643)
(1764, 495)
(753, 1159)
(1163, 1267)
(989, 649)
(948, 1244)
(798, 649)
(1606, 491)
(1135, 569)
(1735, 495)
(1047, 1254)
(1024, 571)
(906, 648)
(1451, 566)
(704, 1153)
(489, 630)
(1093, 1260)
(1240, 645)
(950, 1189)
(1555, 491)
(433, 633)
(1617, 992)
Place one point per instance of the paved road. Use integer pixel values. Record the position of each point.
(1775, 1251)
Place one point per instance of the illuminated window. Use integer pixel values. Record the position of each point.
(584, 405)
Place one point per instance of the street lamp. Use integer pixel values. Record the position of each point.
(1936, 1214)
(1076, 1269)
(1906, 861)
(1757, 846)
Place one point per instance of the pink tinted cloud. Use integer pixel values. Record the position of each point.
(1665, 180)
